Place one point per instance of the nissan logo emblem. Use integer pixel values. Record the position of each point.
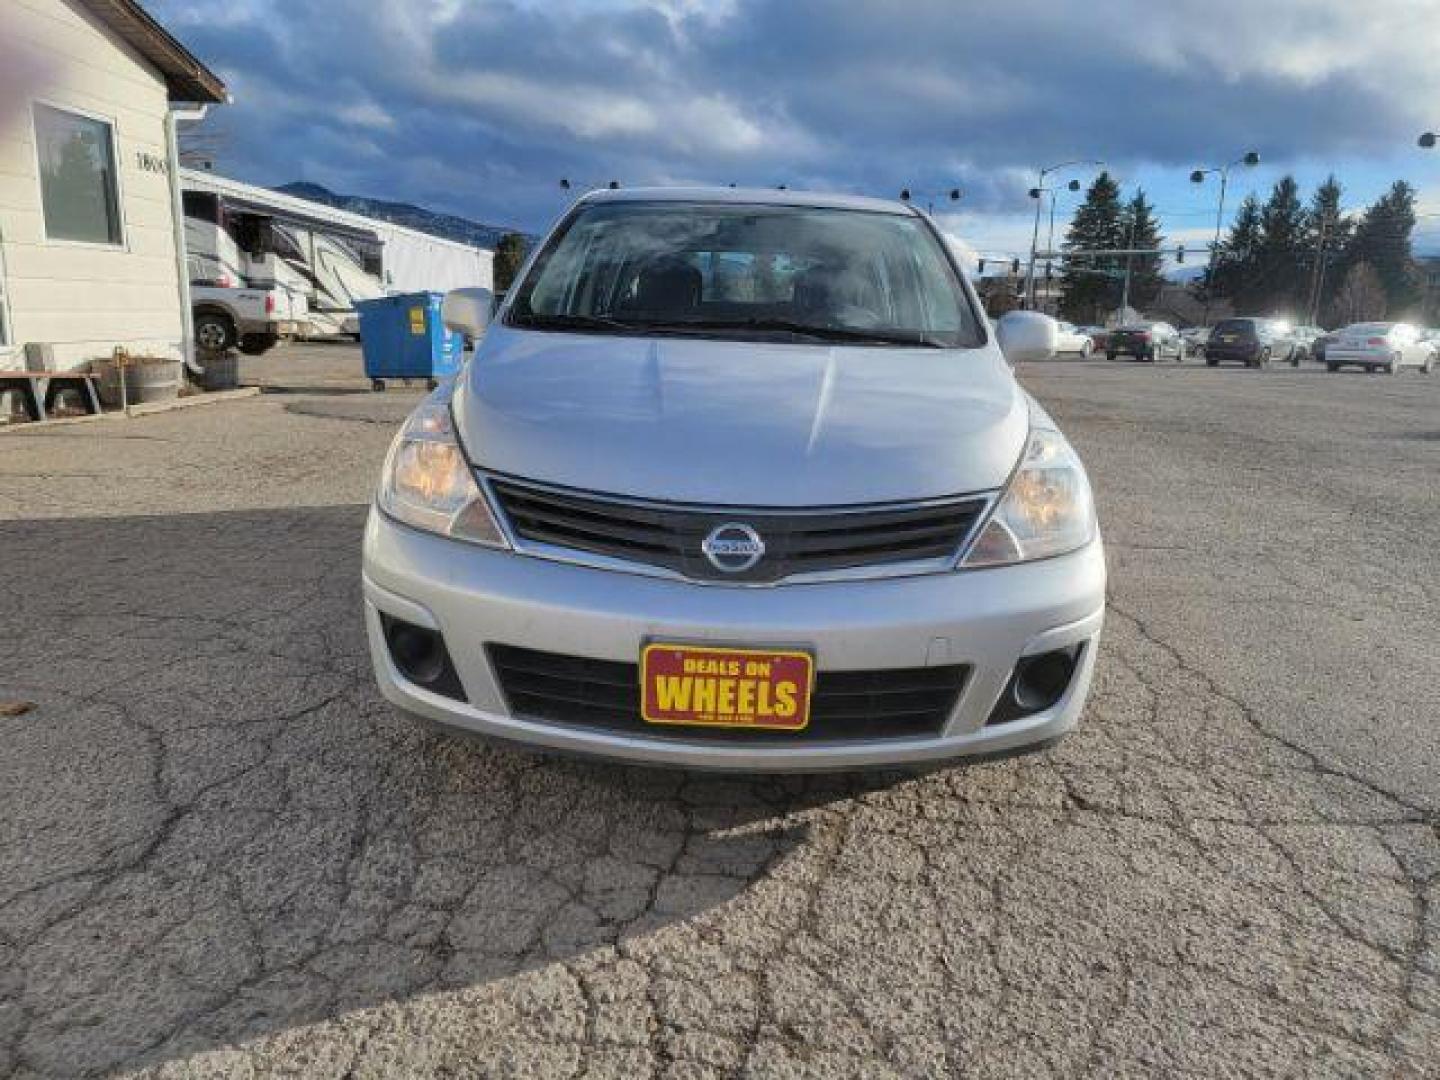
(733, 547)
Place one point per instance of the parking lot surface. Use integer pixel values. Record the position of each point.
(221, 854)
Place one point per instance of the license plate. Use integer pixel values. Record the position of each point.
(701, 686)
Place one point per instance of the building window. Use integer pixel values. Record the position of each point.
(78, 186)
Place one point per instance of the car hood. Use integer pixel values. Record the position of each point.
(740, 423)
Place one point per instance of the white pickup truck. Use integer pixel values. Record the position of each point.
(252, 320)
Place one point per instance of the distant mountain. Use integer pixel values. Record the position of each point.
(445, 226)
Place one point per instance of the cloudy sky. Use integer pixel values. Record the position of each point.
(480, 106)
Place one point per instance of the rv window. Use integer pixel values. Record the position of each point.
(202, 206)
(254, 233)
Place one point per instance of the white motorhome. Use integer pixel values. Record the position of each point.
(242, 235)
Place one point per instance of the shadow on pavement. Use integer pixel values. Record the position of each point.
(212, 829)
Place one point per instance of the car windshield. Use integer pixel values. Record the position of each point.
(792, 273)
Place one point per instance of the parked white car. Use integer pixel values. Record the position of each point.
(1380, 346)
(1071, 339)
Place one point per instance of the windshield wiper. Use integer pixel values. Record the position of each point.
(812, 330)
(609, 324)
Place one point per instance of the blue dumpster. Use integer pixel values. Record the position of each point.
(402, 337)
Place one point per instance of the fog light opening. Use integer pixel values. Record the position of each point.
(1041, 681)
(420, 655)
(1038, 683)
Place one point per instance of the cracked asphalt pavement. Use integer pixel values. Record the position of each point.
(222, 855)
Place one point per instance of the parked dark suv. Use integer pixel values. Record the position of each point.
(1252, 342)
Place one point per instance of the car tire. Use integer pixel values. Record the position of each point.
(1332, 368)
(214, 332)
(1427, 367)
(1111, 356)
(1211, 361)
(1263, 360)
(1295, 357)
(1180, 352)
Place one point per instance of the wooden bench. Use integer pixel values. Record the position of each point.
(39, 389)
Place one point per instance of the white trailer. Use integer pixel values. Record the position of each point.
(248, 235)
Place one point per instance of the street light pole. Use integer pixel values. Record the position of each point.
(1198, 177)
(1035, 193)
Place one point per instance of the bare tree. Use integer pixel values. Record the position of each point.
(1361, 297)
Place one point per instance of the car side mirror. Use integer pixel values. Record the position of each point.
(1026, 335)
(467, 310)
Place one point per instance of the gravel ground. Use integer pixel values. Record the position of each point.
(221, 854)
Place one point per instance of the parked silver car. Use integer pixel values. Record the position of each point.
(738, 479)
(1380, 346)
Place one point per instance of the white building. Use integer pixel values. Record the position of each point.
(90, 226)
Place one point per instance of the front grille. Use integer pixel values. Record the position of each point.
(846, 706)
(796, 542)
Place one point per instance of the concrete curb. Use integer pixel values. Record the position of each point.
(141, 410)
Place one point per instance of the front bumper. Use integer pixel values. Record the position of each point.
(986, 619)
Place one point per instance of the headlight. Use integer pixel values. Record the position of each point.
(427, 482)
(1046, 510)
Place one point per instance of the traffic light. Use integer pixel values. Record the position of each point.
(982, 266)
(1015, 266)
(1180, 254)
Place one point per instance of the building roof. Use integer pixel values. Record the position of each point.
(752, 196)
(186, 78)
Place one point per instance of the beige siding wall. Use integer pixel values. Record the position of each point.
(85, 299)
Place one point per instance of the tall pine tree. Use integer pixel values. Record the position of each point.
(1278, 280)
(1382, 239)
(1231, 274)
(1141, 230)
(1090, 285)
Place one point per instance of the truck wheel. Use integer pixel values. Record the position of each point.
(1110, 356)
(377, 385)
(1332, 368)
(214, 332)
(256, 344)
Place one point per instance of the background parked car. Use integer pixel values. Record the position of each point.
(1320, 344)
(1071, 339)
(1151, 341)
(1099, 336)
(1252, 342)
(1195, 338)
(1380, 346)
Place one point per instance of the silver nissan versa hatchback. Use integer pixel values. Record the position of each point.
(743, 480)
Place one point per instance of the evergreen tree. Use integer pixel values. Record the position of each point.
(1231, 273)
(1141, 230)
(1327, 234)
(1382, 239)
(1090, 285)
(510, 255)
(1277, 284)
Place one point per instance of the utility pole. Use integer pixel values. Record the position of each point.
(1125, 293)
(1250, 160)
(1317, 280)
